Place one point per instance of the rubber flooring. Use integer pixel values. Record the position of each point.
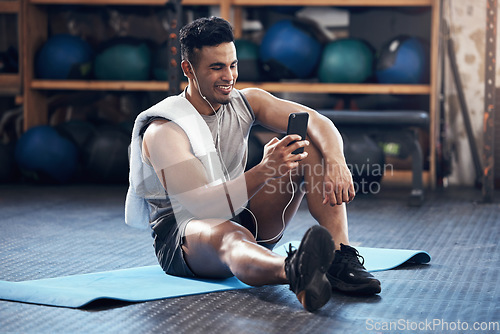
(50, 231)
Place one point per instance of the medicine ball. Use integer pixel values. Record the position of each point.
(64, 56)
(346, 61)
(123, 59)
(403, 60)
(290, 50)
(106, 155)
(247, 53)
(42, 151)
(160, 62)
(364, 157)
(77, 131)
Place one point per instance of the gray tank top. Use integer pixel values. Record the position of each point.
(230, 129)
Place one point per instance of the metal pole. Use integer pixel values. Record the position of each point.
(489, 102)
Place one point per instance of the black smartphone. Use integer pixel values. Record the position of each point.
(297, 124)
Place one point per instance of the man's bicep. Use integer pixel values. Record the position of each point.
(271, 111)
(169, 151)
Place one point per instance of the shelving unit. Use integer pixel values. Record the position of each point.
(35, 33)
(10, 83)
(430, 89)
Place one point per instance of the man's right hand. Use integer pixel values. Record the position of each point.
(278, 158)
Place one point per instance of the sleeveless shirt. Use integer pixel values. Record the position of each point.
(230, 128)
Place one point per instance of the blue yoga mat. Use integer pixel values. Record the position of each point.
(151, 283)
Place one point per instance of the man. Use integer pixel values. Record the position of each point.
(209, 228)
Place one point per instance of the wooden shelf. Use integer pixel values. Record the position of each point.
(321, 88)
(100, 2)
(10, 84)
(202, 2)
(122, 2)
(359, 3)
(325, 88)
(99, 85)
(35, 32)
(10, 7)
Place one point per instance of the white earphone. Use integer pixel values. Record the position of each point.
(277, 236)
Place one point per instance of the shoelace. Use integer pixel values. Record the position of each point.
(353, 256)
(291, 250)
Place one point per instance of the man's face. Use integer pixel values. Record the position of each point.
(217, 71)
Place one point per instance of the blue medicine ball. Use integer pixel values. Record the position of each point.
(403, 60)
(43, 150)
(288, 50)
(64, 56)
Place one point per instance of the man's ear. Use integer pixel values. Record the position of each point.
(186, 69)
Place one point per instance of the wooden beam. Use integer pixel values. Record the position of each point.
(34, 35)
(10, 7)
(305, 87)
(10, 84)
(300, 87)
(100, 2)
(363, 3)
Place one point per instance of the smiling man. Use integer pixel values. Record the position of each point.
(228, 224)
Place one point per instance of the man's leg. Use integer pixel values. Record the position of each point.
(333, 218)
(215, 248)
(220, 248)
(268, 204)
(346, 273)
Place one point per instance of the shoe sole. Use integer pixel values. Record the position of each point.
(371, 288)
(317, 260)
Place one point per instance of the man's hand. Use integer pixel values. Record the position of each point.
(338, 185)
(278, 158)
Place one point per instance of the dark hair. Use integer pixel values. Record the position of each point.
(205, 31)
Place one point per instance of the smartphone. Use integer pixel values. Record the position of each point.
(297, 124)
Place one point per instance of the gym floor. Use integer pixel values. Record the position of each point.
(49, 231)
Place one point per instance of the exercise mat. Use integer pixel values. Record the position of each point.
(151, 283)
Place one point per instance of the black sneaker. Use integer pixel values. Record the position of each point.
(306, 268)
(347, 273)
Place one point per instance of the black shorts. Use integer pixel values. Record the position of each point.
(170, 236)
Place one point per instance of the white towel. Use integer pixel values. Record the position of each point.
(143, 182)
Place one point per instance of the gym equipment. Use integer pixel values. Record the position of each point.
(151, 282)
(364, 157)
(385, 126)
(106, 155)
(403, 60)
(160, 62)
(289, 50)
(346, 61)
(248, 60)
(42, 151)
(77, 131)
(123, 59)
(64, 56)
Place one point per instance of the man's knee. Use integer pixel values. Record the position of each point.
(218, 232)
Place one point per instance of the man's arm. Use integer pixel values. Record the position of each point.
(183, 175)
(273, 113)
